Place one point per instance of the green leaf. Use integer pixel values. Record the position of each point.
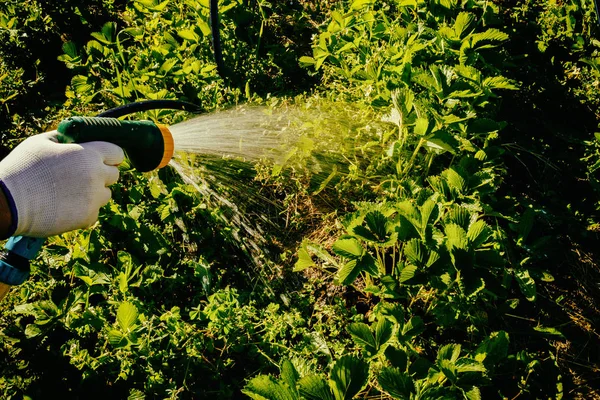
(306, 61)
(415, 252)
(70, 49)
(467, 365)
(478, 233)
(304, 259)
(526, 284)
(362, 335)
(383, 332)
(127, 315)
(360, 4)
(488, 39)
(168, 65)
(415, 326)
(397, 357)
(493, 349)
(116, 338)
(348, 247)
(204, 27)
(456, 237)
(449, 352)
(396, 383)
(189, 35)
(448, 369)
(549, 331)
(442, 141)
(32, 330)
(464, 24)
(500, 82)
(473, 394)
(429, 214)
(289, 375)
(81, 85)
(375, 231)
(422, 126)
(313, 387)
(348, 376)
(455, 181)
(264, 387)
(407, 273)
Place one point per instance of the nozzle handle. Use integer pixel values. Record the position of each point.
(142, 141)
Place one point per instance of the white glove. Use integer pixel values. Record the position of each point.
(55, 187)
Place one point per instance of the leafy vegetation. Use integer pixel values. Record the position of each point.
(421, 246)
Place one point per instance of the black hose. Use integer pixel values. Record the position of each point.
(216, 38)
(146, 105)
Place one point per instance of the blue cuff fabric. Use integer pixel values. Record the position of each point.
(13, 209)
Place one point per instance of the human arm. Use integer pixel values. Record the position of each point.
(49, 188)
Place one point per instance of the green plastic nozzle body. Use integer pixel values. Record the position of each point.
(144, 142)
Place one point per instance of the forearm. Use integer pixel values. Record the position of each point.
(5, 221)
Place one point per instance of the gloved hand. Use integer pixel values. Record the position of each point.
(53, 187)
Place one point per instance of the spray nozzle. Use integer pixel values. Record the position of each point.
(147, 145)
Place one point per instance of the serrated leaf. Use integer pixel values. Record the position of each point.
(350, 271)
(189, 35)
(549, 331)
(204, 26)
(429, 213)
(459, 215)
(478, 233)
(442, 141)
(32, 330)
(127, 315)
(448, 369)
(313, 387)
(348, 247)
(362, 335)
(397, 357)
(473, 394)
(415, 326)
(456, 237)
(467, 365)
(383, 332)
(470, 283)
(490, 38)
(289, 375)
(449, 352)
(455, 181)
(500, 82)
(264, 387)
(464, 24)
(304, 259)
(421, 126)
(168, 65)
(70, 49)
(526, 284)
(396, 383)
(493, 349)
(81, 84)
(116, 338)
(407, 273)
(348, 376)
(415, 252)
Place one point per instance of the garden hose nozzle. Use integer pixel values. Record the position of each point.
(148, 145)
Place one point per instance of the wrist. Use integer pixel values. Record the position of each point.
(7, 225)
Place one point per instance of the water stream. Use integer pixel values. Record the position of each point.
(216, 154)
